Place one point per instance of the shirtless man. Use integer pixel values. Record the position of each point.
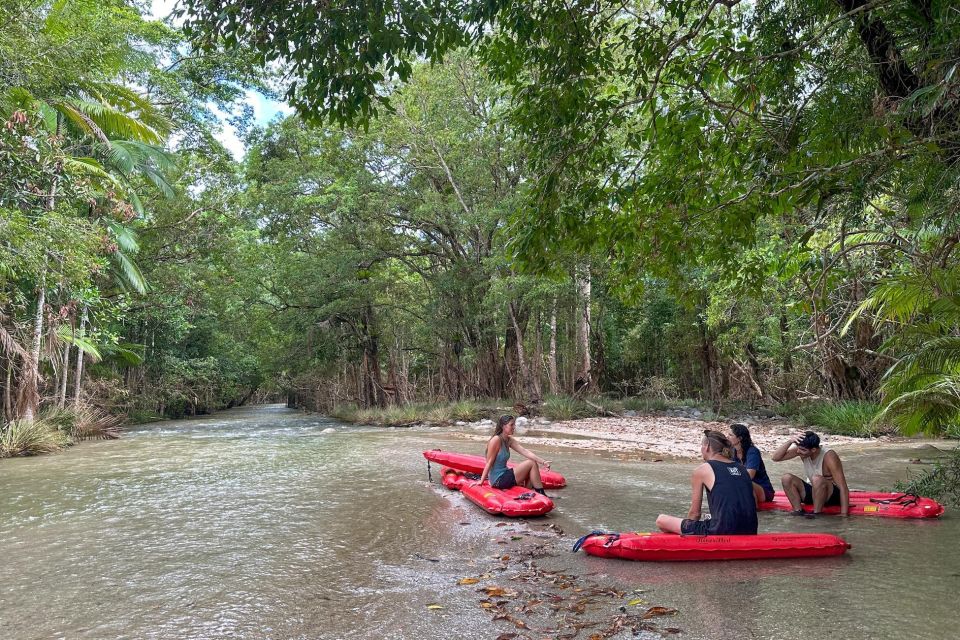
(825, 484)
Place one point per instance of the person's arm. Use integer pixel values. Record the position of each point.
(833, 464)
(516, 446)
(493, 448)
(696, 500)
(752, 462)
(787, 450)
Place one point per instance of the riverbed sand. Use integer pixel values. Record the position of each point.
(647, 436)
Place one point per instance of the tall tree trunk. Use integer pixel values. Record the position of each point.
(583, 380)
(62, 393)
(522, 365)
(32, 385)
(372, 384)
(536, 363)
(78, 374)
(710, 366)
(554, 380)
(7, 393)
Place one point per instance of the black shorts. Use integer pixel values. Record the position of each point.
(832, 501)
(505, 481)
(695, 527)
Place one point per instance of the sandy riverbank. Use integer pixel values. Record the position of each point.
(648, 436)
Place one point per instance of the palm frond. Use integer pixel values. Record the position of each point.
(112, 122)
(125, 236)
(127, 352)
(82, 342)
(130, 272)
(92, 168)
(81, 120)
(927, 410)
(938, 355)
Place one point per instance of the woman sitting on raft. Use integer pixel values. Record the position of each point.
(733, 511)
(525, 474)
(749, 456)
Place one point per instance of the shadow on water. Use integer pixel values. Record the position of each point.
(263, 523)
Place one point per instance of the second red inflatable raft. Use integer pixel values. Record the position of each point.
(514, 502)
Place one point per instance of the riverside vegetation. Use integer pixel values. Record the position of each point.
(522, 218)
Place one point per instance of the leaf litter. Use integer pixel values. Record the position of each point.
(539, 602)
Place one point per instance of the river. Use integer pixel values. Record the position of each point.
(260, 523)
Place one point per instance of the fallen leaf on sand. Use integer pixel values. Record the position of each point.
(434, 605)
(506, 636)
(653, 612)
(468, 580)
(519, 624)
(498, 592)
(634, 603)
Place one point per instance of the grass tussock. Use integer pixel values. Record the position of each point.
(401, 415)
(83, 423)
(566, 408)
(23, 438)
(845, 418)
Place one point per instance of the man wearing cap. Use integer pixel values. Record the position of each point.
(825, 484)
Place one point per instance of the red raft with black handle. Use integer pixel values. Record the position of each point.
(474, 464)
(669, 547)
(513, 502)
(869, 503)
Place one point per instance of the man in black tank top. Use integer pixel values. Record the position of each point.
(733, 509)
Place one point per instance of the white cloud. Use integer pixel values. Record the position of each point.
(160, 9)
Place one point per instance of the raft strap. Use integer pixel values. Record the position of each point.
(612, 538)
(905, 500)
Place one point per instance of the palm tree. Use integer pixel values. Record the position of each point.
(921, 390)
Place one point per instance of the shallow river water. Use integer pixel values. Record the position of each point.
(255, 524)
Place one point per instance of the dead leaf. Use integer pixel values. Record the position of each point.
(672, 630)
(519, 624)
(506, 636)
(498, 592)
(504, 558)
(468, 580)
(634, 603)
(434, 605)
(653, 612)
(516, 537)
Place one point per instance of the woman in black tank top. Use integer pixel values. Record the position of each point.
(733, 510)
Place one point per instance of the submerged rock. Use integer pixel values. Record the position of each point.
(329, 430)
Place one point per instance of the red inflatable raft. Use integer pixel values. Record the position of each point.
(475, 464)
(669, 547)
(513, 502)
(871, 503)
